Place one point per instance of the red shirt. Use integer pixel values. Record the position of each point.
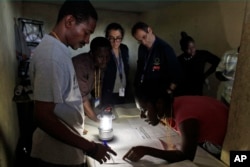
(211, 114)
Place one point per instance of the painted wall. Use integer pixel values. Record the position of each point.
(8, 67)
(238, 134)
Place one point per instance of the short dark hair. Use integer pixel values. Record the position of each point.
(81, 10)
(146, 94)
(114, 26)
(184, 41)
(139, 25)
(99, 42)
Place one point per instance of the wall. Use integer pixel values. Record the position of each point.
(238, 133)
(8, 116)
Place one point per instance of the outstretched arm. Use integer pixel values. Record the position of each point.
(189, 130)
(136, 153)
(89, 110)
(214, 61)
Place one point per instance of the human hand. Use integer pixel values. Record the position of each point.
(102, 153)
(143, 113)
(85, 131)
(135, 153)
(153, 121)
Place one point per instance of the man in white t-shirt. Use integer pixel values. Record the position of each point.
(58, 139)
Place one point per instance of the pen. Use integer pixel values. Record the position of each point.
(105, 144)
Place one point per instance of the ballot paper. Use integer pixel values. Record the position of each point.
(127, 112)
(145, 161)
(146, 131)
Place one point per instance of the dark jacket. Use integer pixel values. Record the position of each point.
(111, 70)
(162, 67)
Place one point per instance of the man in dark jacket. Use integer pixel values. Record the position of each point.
(157, 64)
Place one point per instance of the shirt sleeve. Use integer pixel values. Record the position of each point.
(48, 82)
(81, 69)
(214, 61)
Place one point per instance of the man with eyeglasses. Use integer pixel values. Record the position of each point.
(89, 69)
(157, 64)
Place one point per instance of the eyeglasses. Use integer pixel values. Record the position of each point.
(118, 39)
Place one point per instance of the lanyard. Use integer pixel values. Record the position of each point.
(118, 62)
(97, 83)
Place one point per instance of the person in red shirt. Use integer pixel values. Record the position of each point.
(200, 120)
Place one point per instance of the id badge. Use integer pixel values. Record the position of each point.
(122, 92)
(97, 102)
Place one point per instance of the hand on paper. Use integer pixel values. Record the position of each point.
(135, 153)
(102, 153)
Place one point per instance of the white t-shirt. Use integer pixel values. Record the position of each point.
(228, 66)
(54, 80)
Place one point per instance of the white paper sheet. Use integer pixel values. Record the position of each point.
(126, 112)
(146, 131)
(145, 161)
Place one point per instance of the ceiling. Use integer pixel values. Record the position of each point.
(130, 5)
(136, 6)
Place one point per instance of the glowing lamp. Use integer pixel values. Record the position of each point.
(105, 128)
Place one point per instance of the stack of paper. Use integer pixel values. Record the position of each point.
(127, 112)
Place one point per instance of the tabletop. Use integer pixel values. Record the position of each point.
(130, 130)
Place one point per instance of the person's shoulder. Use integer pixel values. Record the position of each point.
(162, 43)
(198, 103)
(202, 51)
(204, 54)
(123, 46)
(47, 41)
(50, 46)
(81, 56)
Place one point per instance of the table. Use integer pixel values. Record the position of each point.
(130, 130)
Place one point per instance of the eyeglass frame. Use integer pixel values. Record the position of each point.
(112, 39)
